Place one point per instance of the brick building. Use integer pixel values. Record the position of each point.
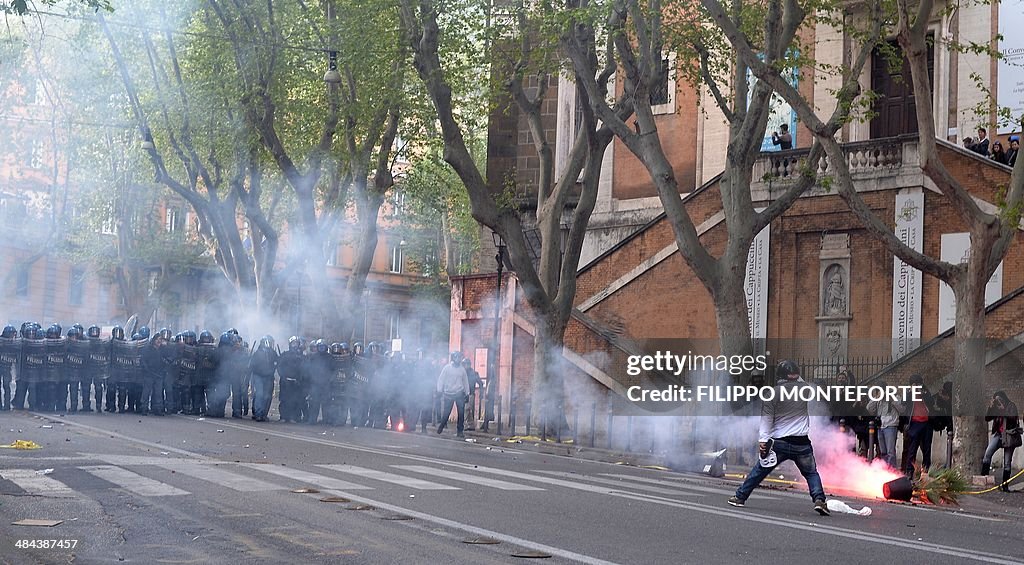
(820, 288)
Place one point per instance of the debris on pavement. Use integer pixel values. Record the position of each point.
(37, 522)
(22, 444)
(306, 490)
(843, 508)
(44, 471)
(334, 499)
(481, 541)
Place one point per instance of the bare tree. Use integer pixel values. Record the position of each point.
(990, 233)
(549, 287)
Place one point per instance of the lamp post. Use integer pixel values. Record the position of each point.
(492, 365)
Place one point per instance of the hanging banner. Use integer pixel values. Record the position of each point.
(1010, 80)
(906, 280)
(956, 249)
(757, 287)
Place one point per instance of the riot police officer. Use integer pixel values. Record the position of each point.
(56, 349)
(74, 365)
(219, 387)
(289, 367)
(121, 368)
(319, 372)
(205, 355)
(263, 364)
(154, 369)
(239, 376)
(359, 384)
(97, 370)
(194, 375)
(34, 364)
(337, 412)
(136, 376)
(10, 352)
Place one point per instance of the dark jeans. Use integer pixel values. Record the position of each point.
(153, 394)
(802, 455)
(20, 393)
(5, 379)
(318, 402)
(918, 435)
(262, 392)
(240, 396)
(446, 409)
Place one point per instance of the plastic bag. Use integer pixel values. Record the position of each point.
(841, 507)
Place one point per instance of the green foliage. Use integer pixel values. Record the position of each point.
(23, 7)
(940, 485)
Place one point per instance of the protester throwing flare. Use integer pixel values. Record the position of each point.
(783, 435)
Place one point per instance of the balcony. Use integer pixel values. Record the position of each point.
(876, 164)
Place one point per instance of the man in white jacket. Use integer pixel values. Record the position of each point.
(453, 386)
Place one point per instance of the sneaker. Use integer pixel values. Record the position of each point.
(736, 501)
(821, 508)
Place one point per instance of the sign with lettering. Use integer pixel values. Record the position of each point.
(906, 280)
(1010, 80)
(757, 286)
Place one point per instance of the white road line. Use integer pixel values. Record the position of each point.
(121, 460)
(374, 474)
(684, 485)
(619, 484)
(133, 482)
(302, 476)
(217, 475)
(445, 522)
(33, 483)
(444, 474)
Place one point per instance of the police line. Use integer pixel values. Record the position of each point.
(805, 393)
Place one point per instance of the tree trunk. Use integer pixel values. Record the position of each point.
(970, 437)
(548, 394)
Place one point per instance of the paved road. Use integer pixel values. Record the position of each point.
(187, 490)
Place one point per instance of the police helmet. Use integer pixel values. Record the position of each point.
(117, 333)
(345, 350)
(267, 342)
(77, 326)
(785, 369)
(9, 332)
(73, 333)
(226, 340)
(205, 338)
(94, 331)
(189, 337)
(294, 342)
(136, 336)
(144, 332)
(57, 330)
(231, 331)
(321, 346)
(335, 349)
(165, 333)
(357, 348)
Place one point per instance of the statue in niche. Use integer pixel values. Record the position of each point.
(835, 292)
(832, 340)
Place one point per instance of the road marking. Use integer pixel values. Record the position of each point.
(734, 513)
(682, 484)
(34, 483)
(140, 459)
(619, 484)
(481, 532)
(302, 476)
(133, 482)
(219, 476)
(409, 482)
(444, 474)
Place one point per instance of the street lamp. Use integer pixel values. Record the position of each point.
(332, 76)
(492, 367)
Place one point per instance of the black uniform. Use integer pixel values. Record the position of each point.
(262, 364)
(319, 371)
(290, 368)
(122, 366)
(75, 369)
(53, 398)
(98, 371)
(34, 364)
(337, 411)
(10, 355)
(154, 368)
(136, 376)
(204, 358)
